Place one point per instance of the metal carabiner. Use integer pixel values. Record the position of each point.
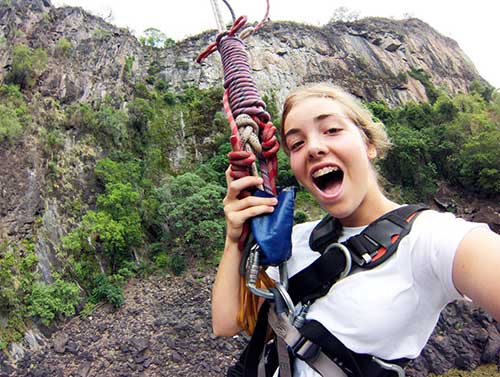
(252, 272)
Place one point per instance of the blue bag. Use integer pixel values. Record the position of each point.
(273, 232)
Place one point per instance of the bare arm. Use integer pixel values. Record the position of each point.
(225, 292)
(476, 269)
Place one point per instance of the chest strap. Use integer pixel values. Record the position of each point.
(373, 246)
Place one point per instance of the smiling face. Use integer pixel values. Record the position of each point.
(331, 157)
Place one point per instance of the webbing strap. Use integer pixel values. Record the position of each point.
(352, 363)
(381, 238)
(288, 338)
(315, 280)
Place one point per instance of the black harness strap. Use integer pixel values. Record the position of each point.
(381, 234)
(248, 363)
(315, 280)
(352, 363)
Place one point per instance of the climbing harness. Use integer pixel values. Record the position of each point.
(309, 340)
(266, 239)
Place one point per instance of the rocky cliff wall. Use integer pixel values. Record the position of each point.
(370, 57)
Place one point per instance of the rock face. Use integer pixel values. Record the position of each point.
(370, 57)
(21, 185)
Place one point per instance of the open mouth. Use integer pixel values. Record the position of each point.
(328, 179)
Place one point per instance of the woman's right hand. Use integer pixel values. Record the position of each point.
(238, 210)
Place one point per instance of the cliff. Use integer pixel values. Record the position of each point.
(371, 56)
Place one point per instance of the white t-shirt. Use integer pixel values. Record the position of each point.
(391, 310)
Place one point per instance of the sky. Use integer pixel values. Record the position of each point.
(475, 25)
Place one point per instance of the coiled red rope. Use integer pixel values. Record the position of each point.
(252, 133)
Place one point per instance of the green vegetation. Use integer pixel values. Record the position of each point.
(63, 46)
(14, 113)
(453, 139)
(27, 66)
(47, 301)
(156, 38)
(127, 67)
(23, 296)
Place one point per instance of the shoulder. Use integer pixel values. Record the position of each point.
(433, 225)
(431, 247)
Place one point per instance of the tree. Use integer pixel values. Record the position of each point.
(156, 38)
(344, 14)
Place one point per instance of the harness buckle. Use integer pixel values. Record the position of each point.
(388, 366)
(305, 350)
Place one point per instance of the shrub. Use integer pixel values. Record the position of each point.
(27, 65)
(8, 292)
(47, 301)
(193, 215)
(11, 127)
(480, 163)
(63, 46)
(105, 290)
(300, 217)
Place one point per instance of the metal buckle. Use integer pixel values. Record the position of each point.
(388, 366)
(305, 350)
(348, 258)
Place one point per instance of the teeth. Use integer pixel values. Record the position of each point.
(323, 171)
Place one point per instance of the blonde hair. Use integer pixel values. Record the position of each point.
(373, 132)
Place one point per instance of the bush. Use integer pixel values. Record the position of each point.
(11, 127)
(193, 215)
(300, 217)
(8, 291)
(105, 290)
(63, 46)
(27, 65)
(47, 301)
(480, 163)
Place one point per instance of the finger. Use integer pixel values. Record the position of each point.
(236, 219)
(250, 201)
(235, 187)
(229, 178)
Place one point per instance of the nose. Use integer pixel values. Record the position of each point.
(316, 149)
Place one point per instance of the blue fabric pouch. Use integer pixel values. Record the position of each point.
(273, 232)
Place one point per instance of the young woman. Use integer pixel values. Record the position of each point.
(389, 311)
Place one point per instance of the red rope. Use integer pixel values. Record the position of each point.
(242, 97)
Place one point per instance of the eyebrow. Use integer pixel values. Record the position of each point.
(320, 117)
(316, 119)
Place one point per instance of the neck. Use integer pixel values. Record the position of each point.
(371, 208)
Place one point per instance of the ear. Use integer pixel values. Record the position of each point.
(372, 152)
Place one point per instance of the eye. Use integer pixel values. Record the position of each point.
(332, 130)
(293, 146)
